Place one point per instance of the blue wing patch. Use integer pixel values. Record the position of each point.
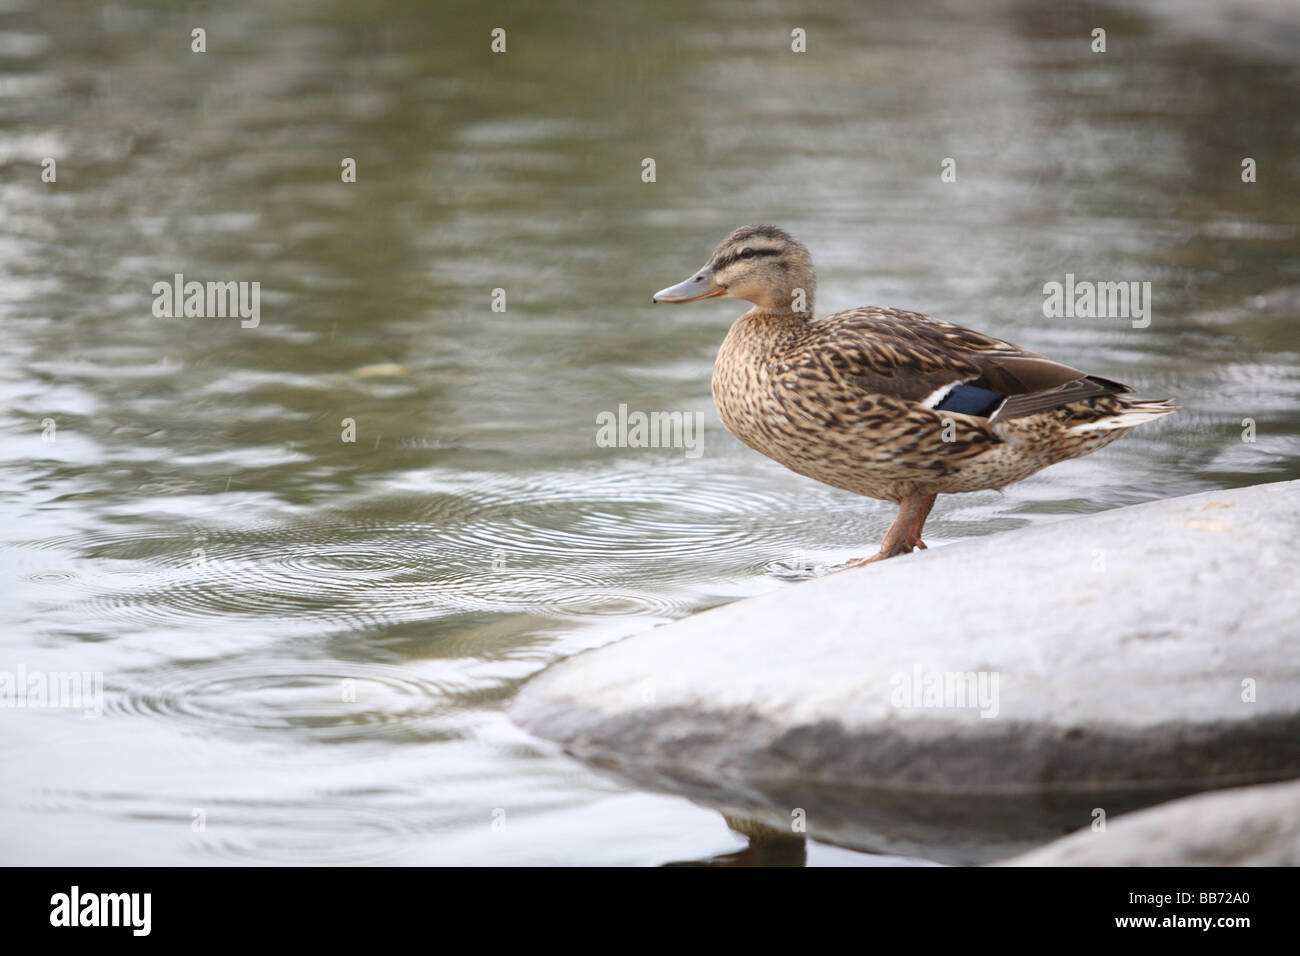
(971, 400)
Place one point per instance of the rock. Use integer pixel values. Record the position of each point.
(969, 702)
(1244, 826)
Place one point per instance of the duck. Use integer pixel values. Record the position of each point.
(886, 403)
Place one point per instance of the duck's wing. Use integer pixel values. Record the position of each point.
(945, 366)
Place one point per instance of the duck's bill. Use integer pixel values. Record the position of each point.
(698, 286)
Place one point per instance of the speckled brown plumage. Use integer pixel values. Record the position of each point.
(879, 401)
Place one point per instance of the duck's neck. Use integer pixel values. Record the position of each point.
(778, 316)
(796, 299)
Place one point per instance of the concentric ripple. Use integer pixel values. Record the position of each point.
(319, 833)
(320, 700)
(560, 546)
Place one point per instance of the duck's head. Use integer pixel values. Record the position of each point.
(759, 264)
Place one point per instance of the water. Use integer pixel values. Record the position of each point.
(308, 645)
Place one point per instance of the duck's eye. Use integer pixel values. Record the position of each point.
(746, 253)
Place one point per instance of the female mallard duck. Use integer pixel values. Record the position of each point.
(885, 403)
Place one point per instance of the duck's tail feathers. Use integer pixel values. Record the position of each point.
(1132, 413)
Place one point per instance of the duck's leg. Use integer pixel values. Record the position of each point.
(914, 532)
(895, 541)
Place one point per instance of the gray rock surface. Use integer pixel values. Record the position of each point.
(1124, 658)
(1244, 826)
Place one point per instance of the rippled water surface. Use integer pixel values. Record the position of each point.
(308, 644)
